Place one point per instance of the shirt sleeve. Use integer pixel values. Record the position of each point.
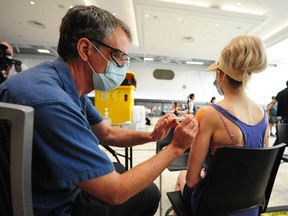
(92, 113)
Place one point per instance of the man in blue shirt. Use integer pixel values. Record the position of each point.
(67, 163)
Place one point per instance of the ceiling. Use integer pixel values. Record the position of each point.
(169, 31)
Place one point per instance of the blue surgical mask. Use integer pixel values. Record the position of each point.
(218, 88)
(110, 79)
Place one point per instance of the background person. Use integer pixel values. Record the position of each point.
(272, 117)
(192, 106)
(12, 68)
(282, 107)
(234, 121)
(67, 163)
(212, 101)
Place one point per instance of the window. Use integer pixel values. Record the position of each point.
(163, 74)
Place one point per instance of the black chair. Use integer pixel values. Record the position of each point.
(237, 179)
(179, 163)
(282, 137)
(16, 130)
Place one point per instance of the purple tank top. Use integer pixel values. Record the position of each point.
(254, 135)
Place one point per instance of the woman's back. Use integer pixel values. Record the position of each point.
(225, 118)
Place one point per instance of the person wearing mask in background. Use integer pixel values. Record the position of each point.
(192, 106)
(234, 121)
(71, 174)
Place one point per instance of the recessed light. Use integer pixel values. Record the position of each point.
(43, 51)
(148, 59)
(194, 62)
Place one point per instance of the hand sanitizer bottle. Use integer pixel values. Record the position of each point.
(106, 116)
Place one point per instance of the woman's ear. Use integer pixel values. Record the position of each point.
(83, 47)
(220, 75)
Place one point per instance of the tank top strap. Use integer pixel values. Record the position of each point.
(228, 129)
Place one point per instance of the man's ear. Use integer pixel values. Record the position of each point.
(83, 47)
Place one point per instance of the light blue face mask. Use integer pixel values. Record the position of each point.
(111, 78)
(218, 88)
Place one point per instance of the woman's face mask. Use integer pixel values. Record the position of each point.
(218, 87)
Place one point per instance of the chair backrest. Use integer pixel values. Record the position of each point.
(282, 133)
(16, 131)
(239, 179)
(179, 163)
(163, 143)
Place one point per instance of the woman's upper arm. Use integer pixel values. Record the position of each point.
(200, 147)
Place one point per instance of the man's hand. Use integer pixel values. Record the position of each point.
(163, 126)
(185, 133)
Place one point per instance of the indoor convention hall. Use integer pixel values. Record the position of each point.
(143, 107)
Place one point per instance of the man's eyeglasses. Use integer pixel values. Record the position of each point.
(119, 57)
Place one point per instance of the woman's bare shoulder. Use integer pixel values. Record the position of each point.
(206, 113)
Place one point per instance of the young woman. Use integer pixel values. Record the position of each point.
(234, 121)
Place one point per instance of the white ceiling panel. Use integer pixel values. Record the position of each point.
(170, 31)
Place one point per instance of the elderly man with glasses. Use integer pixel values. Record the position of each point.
(71, 175)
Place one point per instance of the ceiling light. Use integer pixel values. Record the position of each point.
(46, 51)
(194, 62)
(32, 2)
(148, 59)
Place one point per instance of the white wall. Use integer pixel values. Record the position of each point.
(32, 60)
(187, 80)
(260, 88)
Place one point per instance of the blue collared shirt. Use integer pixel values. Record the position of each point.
(65, 150)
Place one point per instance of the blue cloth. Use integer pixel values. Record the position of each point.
(65, 150)
(254, 136)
